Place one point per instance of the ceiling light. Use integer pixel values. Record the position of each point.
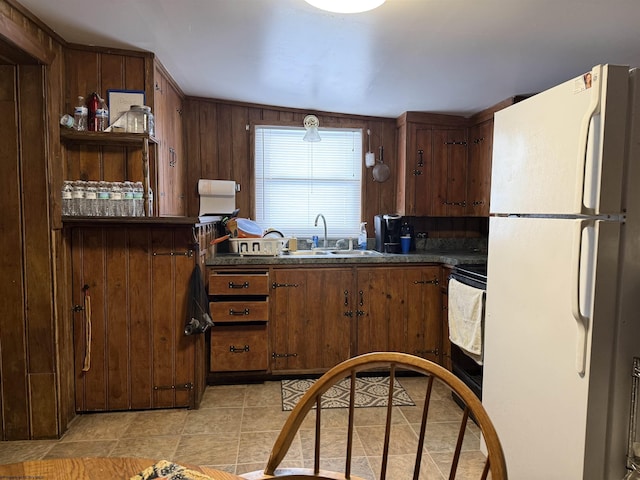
(311, 123)
(346, 6)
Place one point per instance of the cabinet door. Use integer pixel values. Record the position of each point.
(446, 343)
(449, 173)
(130, 349)
(310, 325)
(423, 311)
(379, 309)
(479, 169)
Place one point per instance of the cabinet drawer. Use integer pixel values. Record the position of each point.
(244, 311)
(239, 348)
(239, 284)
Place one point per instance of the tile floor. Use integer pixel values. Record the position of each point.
(236, 426)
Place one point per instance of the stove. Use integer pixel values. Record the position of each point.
(463, 366)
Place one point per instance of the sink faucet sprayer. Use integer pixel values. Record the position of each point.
(324, 220)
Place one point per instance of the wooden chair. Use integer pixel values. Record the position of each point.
(391, 362)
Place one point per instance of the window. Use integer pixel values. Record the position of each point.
(296, 180)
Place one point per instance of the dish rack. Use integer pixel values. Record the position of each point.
(266, 247)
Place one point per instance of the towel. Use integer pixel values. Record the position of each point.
(465, 318)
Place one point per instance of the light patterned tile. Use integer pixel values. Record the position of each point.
(470, 465)
(403, 466)
(99, 426)
(333, 443)
(219, 421)
(442, 437)
(86, 448)
(160, 447)
(402, 440)
(24, 450)
(260, 419)
(207, 450)
(264, 394)
(223, 396)
(157, 422)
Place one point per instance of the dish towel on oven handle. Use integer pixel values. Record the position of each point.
(465, 318)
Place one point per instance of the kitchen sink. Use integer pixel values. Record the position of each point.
(333, 253)
(357, 253)
(309, 253)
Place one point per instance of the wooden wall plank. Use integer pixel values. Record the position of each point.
(15, 403)
(37, 247)
(42, 387)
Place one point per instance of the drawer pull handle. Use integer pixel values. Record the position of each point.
(241, 312)
(234, 349)
(435, 281)
(281, 285)
(239, 285)
(283, 355)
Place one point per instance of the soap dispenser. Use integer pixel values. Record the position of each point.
(362, 236)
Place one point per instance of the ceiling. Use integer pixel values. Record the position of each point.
(445, 56)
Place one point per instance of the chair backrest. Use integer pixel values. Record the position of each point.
(392, 362)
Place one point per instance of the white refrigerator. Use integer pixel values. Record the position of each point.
(562, 318)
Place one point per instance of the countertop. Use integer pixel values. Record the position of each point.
(442, 256)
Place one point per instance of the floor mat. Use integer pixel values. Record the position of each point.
(370, 392)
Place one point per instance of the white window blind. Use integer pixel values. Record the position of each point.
(297, 180)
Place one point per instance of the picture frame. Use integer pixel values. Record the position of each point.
(121, 100)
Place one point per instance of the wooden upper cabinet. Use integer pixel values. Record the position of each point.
(479, 169)
(172, 168)
(449, 173)
(432, 171)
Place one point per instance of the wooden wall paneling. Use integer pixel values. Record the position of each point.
(241, 159)
(208, 128)
(139, 286)
(88, 269)
(225, 141)
(163, 313)
(15, 404)
(117, 319)
(42, 392)
(37, 247)
(192, 157)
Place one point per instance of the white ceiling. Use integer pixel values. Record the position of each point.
(447, 56)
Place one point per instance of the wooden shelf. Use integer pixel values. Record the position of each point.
(69, 221)
(105, 138)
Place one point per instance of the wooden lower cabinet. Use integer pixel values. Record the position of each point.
(399, 310)
(239, 348)
(320, 316)
(312, 317)
(130, 293)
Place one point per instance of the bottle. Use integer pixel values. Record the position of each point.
(80, 115)
(127, 199)
(66, 120)
(91, 198)
(362, 236)
(77, 198)
(102, 119)
(93, 104)
(138, 200)
(67, 197)
(103, 199)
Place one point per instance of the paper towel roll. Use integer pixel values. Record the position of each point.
(209, 188)
(216, 196)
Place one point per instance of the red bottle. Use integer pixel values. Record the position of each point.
(93, 104)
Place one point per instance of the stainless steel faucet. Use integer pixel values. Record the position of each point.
(324, 220)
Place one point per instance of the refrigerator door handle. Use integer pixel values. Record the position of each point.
(593, 110)
(581, 320)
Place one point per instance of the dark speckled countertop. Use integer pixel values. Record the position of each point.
(447, 257)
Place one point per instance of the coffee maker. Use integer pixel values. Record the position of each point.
(387, 230)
